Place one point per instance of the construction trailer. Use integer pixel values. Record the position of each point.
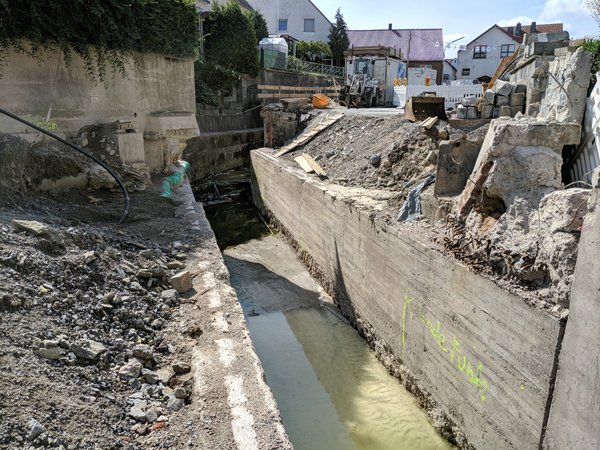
(371, 73)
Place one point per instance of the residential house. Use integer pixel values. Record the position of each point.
(419, 47)
(450, 72)
(482, 56)
(299, 19)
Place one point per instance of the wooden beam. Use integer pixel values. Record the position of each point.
(304, 164)
(315, 166)
(305, 137)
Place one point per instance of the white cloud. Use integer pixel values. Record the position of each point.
(556, 9)
(524, 20)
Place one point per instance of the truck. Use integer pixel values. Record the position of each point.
(371, 73)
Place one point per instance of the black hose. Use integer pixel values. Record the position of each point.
(83, 152)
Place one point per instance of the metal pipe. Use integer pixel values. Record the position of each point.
(83, 152)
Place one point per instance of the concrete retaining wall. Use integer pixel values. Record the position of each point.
(484, 356)
(216, 152)
(154, 83)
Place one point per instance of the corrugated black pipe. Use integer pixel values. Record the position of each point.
(83, 152)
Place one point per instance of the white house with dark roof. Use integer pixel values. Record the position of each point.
(300, 19)
(482, 56)
(419, 47)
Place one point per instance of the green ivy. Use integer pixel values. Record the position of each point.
(102, 32)
(593, 46)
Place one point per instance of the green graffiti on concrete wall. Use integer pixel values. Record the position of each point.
(451, 347)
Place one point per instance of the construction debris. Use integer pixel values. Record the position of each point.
(325, 122)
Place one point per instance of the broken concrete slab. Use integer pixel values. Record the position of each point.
(517, 99)
(182, 282)
(489, 98)
(502, 100)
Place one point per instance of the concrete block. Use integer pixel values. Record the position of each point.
(514, 110)
(455, 163)
(182, 282)
(504, 111)
(496, 112)
(504, 88)
(544, 48)
(471, 112)
(461, 112)
(517, 99)
(469, 101)
(521, 89)
(131, 147)
(487, 111)
(502, 100)
(489, 98)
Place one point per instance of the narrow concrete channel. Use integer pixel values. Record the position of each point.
(331, 390)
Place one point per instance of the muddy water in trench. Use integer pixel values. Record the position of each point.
(332, 392)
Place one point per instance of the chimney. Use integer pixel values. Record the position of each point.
(390, 26)
(518, 31)
(511, 31)
(533, 27)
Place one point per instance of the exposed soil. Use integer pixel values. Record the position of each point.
(87, 349)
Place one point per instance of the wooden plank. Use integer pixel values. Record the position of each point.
(308, 135)
(315, 166)
(429, 122)
(282, 95)
(304, 164)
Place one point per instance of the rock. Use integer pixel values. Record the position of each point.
(49, 350)
(99, 178)
(175, 265)
(182, 282)
(152, 415)
(35, 429)
(131, 370)
(170, 297)
(87, 349)
(137, 413)
(443, 135)
(180, 392)
(144, 273)
(175, 404)
(181, 367)
(32, 227)
(375, 160)
(164, 375)
(149, 376)
(135, 286)
(143, 352)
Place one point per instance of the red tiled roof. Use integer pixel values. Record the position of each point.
(540, 27)
(425, 44)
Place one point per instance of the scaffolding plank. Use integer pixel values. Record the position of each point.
(308, 135)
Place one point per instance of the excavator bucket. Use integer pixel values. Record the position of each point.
(425, 105)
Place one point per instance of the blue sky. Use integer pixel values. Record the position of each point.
(468, 18)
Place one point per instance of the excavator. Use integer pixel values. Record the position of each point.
(362, 87)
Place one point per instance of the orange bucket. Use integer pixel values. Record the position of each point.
(320, 101)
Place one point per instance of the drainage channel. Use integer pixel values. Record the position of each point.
(331, 390)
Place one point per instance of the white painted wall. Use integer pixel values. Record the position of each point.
(480, 67)
(295, 11)
(449, 73)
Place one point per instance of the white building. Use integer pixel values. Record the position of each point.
(483, 54)
(300, 19)
(450, 72)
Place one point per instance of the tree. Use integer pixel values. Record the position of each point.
(230, 41)
(338, 38)
(593, 7)
(260, 25)
(315, 51)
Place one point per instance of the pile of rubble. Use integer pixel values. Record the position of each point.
(83, 310)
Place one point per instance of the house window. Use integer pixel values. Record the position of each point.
(309, 25)
(446, 77)
(282, 25)
(466, 72)
(480, 52)
(507, 50)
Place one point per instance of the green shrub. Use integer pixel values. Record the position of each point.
(315, 51)
(102, 32)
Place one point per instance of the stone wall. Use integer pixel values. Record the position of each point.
(480, 354)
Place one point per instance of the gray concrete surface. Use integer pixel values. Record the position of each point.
(574, 416)
(232, 406)
(481, 354)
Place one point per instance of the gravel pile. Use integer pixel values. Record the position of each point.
(83, 358)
